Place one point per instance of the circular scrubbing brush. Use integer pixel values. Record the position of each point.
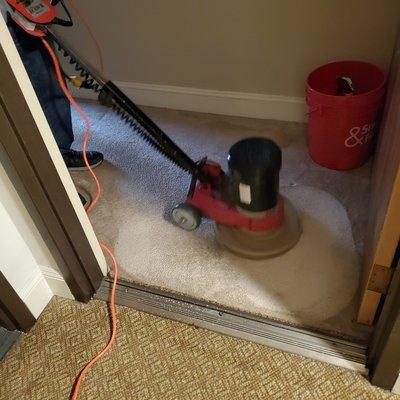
(262, 244)
(252, 186)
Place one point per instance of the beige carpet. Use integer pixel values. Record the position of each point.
(155, 358)
(314, 285)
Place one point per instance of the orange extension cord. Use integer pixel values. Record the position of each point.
(96, 198)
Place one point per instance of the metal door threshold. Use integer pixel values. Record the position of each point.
(341, 352)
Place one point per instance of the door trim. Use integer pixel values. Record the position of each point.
(383, 356)
(382, 229)
(14, 314)
(24, 145)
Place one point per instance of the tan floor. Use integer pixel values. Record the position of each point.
(155, 358)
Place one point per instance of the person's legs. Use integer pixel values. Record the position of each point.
(55, 105)
(39, 66)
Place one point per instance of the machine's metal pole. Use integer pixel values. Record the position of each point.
(132, 113)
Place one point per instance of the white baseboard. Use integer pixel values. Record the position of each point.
(253, 105)
(37, 295)
(56, 283)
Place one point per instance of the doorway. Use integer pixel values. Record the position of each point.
(172, 265)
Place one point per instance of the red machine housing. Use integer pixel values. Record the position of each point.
(206, 197)
(29, 13)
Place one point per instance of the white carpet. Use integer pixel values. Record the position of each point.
(313, 285)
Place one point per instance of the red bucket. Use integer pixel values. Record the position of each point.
(341, 128)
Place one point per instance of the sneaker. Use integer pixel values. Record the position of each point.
(74, 159)
(85, 199)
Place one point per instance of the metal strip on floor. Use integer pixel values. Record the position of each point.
(321, 347)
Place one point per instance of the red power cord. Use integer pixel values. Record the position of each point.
(96, 198)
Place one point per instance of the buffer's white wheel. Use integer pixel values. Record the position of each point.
(186, 216)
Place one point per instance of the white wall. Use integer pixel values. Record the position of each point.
(239, 57)
(18, 263)
(257, 46)
(396, 387)
(30, 266)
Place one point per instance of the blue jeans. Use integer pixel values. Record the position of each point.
(41, 73)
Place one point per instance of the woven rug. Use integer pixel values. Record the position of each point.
(156, 358)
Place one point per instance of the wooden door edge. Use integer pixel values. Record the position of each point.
(32, 162)
(391, 227)
(14, 314)
(368, 307)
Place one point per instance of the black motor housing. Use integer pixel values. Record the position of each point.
(252, 182)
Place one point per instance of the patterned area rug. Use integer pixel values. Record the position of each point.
(155, 358)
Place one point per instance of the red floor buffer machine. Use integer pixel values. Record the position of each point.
(252, 219)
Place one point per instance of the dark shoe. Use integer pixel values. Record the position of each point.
(85, 199)
(74, 159)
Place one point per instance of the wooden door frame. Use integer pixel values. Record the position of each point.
(30, 157)
(14, 314)
(383, 356)
(383, 231)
